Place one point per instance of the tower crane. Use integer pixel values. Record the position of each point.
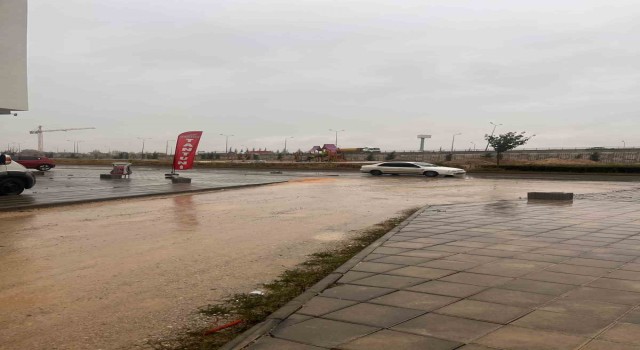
(39, 131)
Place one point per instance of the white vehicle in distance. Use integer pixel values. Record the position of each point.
(410, 168)
(371, 149)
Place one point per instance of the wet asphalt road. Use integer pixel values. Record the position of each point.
(74, 184)
(77, 184)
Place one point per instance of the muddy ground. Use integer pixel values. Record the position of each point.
(111, 275)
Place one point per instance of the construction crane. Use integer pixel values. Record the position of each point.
(39, 131)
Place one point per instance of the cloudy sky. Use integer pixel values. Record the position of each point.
(384, 71)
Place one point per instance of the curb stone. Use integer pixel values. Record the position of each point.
(273, 320)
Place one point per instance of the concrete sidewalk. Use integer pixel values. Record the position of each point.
(505, 275)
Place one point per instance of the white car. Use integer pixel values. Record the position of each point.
(410, 168)
(14, 178)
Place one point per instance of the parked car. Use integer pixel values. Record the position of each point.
(35, 162)
(410, 168)
(14, 178)
(371, 149)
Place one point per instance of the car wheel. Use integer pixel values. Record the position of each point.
(11, 187)
(44, 167)
(375, 172)
(430, 174)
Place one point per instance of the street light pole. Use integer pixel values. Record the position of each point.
(454, 140)
(285, 144)
(226, 142)
(492, 132)
(336, 131)
(474, 145)
(624, 144)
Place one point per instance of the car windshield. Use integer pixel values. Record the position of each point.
(423, 164)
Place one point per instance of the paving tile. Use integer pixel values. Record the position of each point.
(579, 270)
(430, 241)
(627, 333)
(469, 244)
(607, 256)
(511, 247)
(632, 317)
(557, 277)
(472, 258)
(374, 267)
(517, 338)
(269, 343)
(449, 264)
(631, 267)
(389, 281)
(607, 345)
(458, 290)
(565, 323)
(483, 311)
(604, 295)
(319, 306)
(421, 272)
(293, 319)
(408, 245)
(509, 267)
(493, 252)
(512, 297)
(447, 327)
(476, 279)
(540, 257)
(415, 300)
(389, 250)
(429, 254)
(609, 283)
(401, 260)
(373, 256)
(354, 275)
(387, 339)
(559, 252)
(374, 315)
(356, 293)
(475, 347)
(323, 333)
(537, 287)
(450, 249)
(625, 275)
(590, 308)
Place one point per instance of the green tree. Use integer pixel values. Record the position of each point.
(391, 156)
(505, 142)
(370, 157)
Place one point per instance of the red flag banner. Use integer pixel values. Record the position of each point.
(186, 146)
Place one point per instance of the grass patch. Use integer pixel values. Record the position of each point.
(253, 309)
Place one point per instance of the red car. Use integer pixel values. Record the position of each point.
(34, 162)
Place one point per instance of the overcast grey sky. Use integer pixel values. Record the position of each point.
(385, 71)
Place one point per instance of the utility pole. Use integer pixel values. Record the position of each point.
(492, 132)
(143, 139)
(226, 142)
(336, 131)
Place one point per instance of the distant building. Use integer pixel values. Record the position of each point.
(330, 148)
(13, 56)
